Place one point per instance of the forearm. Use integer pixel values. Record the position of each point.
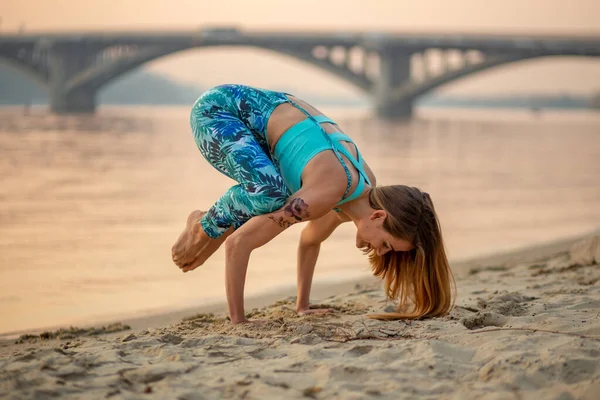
(307, 259)
(315, 233)
(236, 265)
(258, 231)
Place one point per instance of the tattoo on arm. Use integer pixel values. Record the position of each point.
(283, 223)
(295, 211)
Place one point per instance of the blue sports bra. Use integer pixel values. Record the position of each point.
(301, 142)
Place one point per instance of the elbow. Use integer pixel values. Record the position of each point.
(236, 244)
(308, 240)
(231, 243)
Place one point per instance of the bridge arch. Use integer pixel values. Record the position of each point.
(95, 78)
(413, 90)
(25, 70)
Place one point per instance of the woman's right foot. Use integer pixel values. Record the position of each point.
(190, 241)
(208, 251)
(194, 247)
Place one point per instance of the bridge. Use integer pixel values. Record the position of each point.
(393, 68)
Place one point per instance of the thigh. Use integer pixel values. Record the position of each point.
(214, 126)
(232, 148)
(261, 188)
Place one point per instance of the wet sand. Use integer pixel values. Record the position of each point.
(526, 325)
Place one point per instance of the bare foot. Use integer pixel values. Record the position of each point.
(208, 251)
(191, 242)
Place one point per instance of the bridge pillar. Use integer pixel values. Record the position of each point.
(76, 102)
(63, 64)
(394, 71)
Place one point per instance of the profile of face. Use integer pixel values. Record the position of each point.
(371, 233)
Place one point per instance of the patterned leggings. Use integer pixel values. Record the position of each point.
(229, 123)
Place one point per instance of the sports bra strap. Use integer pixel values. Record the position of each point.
(321, 119)
(339, 136)
(357, 191)
(334, 140)
(357, 163)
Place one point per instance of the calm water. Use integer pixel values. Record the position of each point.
(90, 206)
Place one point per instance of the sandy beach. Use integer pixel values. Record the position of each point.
(526, 326)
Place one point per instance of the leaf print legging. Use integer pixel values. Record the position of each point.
(229, 123)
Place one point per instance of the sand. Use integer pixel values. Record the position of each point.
(525, 326)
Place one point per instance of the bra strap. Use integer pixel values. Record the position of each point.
(321, 119)
(324, 119)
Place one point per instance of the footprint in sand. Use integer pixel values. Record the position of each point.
(170, 338)
(358, 351)
(266, 354)
(495, 310)
(349, 373)
(483, 319)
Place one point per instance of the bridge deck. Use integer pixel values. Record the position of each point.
(589, 44)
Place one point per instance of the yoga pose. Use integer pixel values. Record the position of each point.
(293, 164)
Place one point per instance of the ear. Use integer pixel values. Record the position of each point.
(378, 214)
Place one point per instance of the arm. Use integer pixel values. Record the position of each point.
(316, 232)
(259, 230)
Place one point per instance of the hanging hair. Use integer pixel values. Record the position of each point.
(419, 280)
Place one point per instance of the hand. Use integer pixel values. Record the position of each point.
(317, 311)
(190, 244)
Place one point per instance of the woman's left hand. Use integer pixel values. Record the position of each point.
(190, 244)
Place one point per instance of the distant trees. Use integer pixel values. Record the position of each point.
(141, 87)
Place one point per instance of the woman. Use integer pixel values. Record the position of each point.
(292, 165)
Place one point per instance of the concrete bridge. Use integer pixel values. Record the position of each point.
(393, 68)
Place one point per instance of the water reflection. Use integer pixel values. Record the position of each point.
(90, 205)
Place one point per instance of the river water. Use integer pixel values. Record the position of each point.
(90, 205)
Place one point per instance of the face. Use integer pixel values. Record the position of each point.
(370, 233)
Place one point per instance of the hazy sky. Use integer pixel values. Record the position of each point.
(259, 67)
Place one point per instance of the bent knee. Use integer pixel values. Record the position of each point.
(209, 107)
(217, 93)
(207, 99)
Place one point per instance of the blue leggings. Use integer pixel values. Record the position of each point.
(229, 123)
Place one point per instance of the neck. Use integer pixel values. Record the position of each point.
(359, 208)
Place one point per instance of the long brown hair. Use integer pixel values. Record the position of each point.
(420, 280)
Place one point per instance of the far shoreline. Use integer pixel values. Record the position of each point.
(320, 291)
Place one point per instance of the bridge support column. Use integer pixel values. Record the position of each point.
(72, 103)
(394, 71)
(63, 64)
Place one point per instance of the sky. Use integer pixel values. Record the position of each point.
(207, 67)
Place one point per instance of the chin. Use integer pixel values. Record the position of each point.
(361, 244)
